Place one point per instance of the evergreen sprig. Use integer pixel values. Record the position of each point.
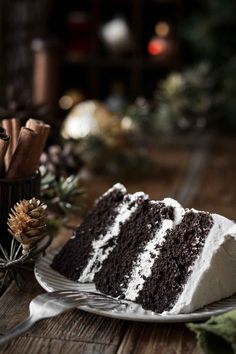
(12, 263)
(67, 192)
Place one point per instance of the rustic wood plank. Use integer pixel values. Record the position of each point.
(217, 192)
(14, 304)
(79, 325)
(150, 338)
(196, 166)
(72, 325)
(39, 345)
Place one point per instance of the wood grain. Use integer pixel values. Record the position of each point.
(158, 338)
(217, 192)
(39, 345)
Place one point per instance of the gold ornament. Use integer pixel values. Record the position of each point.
(27, 222)
(90, 118)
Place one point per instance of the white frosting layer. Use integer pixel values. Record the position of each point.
(213, 274)
(142, 267)
(98, 254)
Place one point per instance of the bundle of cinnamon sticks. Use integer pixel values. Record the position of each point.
(21, 147)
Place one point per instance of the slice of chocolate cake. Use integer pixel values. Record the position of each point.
(97, 236)
(156, 253)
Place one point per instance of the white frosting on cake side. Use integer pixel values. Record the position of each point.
(179, 211)
(119, 186)
(213, 275)
(98, 254)
(142, 267)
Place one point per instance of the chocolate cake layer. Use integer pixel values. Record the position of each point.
(74, 256)
(172, 267)
(134, 235)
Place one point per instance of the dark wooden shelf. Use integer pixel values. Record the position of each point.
(141, 17)
(142, 62)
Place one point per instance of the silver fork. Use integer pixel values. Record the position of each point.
(52, 304)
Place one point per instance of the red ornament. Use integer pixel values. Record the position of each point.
(157, 46)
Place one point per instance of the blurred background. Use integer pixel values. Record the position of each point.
(140, 91)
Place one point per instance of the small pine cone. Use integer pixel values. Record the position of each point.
(27, 222)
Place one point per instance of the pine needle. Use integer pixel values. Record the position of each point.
(13, 246)
(17, 251)
(4, 252)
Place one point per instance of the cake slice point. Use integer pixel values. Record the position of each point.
(74, 256)
(83, 256)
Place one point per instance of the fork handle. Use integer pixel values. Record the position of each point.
(17, 330)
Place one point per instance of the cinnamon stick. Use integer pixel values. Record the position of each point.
(7, 125)
(34, 124)
(25, 159)
(15, 133)
(4, 143)
(41, 128)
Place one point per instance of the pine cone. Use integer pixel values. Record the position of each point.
(27, 222)
(62, 161)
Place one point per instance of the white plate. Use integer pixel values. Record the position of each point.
(50, 280)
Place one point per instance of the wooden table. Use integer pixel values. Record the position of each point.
(79, 332)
